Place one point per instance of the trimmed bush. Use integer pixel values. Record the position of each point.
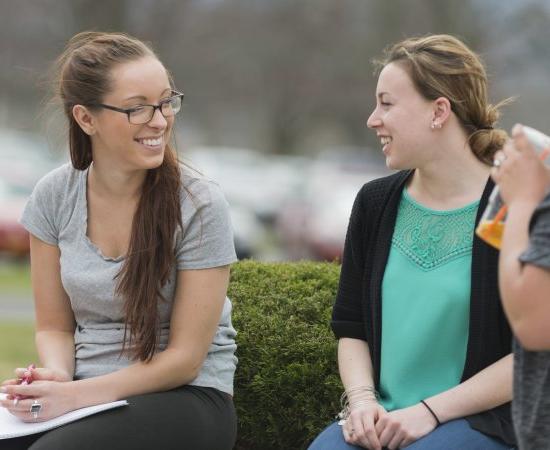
(287, 386)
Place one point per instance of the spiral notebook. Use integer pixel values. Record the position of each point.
(12, 427)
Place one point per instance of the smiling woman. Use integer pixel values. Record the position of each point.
(130, 255)
(424, 346)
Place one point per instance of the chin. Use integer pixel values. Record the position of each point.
(394, 163)
(152, 162)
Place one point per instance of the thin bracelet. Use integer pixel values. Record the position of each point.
(431, 412)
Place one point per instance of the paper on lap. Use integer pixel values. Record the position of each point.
(11, 426)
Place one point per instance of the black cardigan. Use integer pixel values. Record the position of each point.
(357, 312)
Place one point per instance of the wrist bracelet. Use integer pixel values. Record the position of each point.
(431, 412)
(355, 396)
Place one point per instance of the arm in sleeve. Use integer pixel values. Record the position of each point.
(525, 293)
(347, 316)
(207, 237)
(41, 213)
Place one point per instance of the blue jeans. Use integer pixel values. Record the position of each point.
(453, 435)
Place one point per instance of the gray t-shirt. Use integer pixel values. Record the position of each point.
(531, 404)
(57, 214)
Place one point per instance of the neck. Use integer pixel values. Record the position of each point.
(453, 178)
(115, 183)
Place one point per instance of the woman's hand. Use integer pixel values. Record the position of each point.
(521, 175)
(40, 373)
(55, 397)
(401, 427)
(36, 374)
(359, 427)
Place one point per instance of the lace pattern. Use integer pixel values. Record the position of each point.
(431, 238)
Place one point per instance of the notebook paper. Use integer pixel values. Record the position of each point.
(11, 426)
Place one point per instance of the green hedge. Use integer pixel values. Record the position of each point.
(287, 385)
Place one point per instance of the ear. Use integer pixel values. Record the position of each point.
(85, 119)
(441, 111)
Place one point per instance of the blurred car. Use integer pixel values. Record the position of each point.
(250, 179)
(313, 224)
(256, 187)
(24, 160)
(14, 239)
(248, 232)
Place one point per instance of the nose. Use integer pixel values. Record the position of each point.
(374, 120)
(158, 120)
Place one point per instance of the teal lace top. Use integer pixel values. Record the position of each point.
(425, 302)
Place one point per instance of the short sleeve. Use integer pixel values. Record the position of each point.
(347, 317)
(538, 251)
(40, 214)
(207, 237)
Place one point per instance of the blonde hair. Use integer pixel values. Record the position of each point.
(443, 66)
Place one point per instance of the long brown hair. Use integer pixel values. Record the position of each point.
(84, 70)
(443, 66)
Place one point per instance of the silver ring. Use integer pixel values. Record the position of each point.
(35, 409)
(497, 163)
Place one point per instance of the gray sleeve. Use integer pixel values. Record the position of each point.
(40, 213)
(538, 251)
(207, 239)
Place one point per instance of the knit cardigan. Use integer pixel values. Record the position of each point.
(357, 312)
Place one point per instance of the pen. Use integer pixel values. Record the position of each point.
(27, 379)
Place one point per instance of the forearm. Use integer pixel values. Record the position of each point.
(167, 370)
(354, 363)
(487, 389)
(56, 351)
(514, 242)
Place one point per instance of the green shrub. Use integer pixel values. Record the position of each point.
(287, 385)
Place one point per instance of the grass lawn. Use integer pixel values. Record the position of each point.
(16, 347)
(15, 278)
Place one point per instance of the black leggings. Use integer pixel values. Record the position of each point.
(189, 417)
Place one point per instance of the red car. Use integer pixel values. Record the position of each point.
(14, 239)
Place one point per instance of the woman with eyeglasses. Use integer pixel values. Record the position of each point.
(130, 255)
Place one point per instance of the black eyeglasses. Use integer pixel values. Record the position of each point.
(141, 114)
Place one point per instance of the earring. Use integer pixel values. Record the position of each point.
(436, 125)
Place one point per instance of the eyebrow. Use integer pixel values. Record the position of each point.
(141, 97)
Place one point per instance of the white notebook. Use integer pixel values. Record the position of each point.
(11, 426)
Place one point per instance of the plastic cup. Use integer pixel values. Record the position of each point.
(492, 222)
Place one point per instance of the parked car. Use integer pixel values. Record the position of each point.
(313, 224)
(256, 186)
(14, 239)
(24, 159)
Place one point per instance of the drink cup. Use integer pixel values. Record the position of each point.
(491, 225)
